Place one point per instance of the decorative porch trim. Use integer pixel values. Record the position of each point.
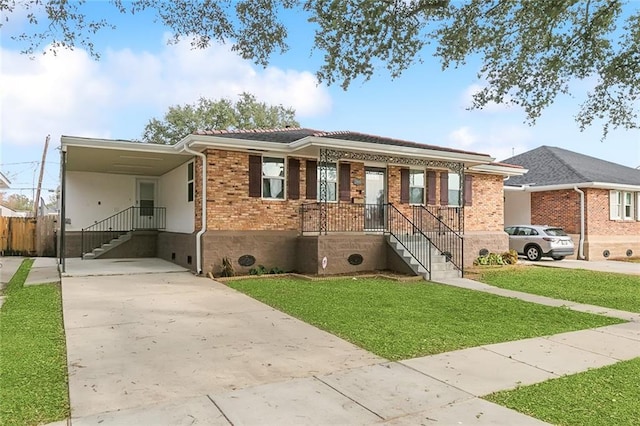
(331, 155)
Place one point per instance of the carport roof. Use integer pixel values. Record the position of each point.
(121, 157)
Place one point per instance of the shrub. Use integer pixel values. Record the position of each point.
(227, 268)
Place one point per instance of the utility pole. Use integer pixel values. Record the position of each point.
(36, 201)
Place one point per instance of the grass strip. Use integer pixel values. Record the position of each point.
(606, 289)
(604, 396)
(405, 320)
(33, 366)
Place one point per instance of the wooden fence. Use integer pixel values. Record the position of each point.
(28, 236)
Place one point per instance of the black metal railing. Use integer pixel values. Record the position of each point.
(343, 217)
(404, 231)
(130, 219)
(447, 239)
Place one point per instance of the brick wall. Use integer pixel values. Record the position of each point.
(597, 216)
(487, 210)
(557, 208)
(229, 206)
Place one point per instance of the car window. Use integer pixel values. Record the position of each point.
(555, 232)
(510, 230)
(523, 231)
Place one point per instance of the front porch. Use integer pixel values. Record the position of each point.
(422, 233)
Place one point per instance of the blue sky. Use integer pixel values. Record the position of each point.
(139, 76)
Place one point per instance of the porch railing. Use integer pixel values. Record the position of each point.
(402, 229)
(445, 232)
(442, 226)
(343, 217)
(130, 219)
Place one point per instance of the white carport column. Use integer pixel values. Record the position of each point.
(203, 227)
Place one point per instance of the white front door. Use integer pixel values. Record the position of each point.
(145, 212)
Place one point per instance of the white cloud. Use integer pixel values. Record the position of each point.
(501, 142)
(70, 93)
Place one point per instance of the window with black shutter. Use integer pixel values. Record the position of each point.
(345, 182)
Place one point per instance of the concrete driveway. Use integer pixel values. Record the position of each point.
(147, 338)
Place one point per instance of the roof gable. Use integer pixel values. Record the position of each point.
(556, 166)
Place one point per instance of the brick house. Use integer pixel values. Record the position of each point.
(596, 202)
(295, 199)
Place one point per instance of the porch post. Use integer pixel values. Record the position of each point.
(63, 203)
(324, 163)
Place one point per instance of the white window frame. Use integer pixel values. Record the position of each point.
(278, 177)
(334, 182)
(630, 197)
(423, 187)
(618, 203)
(457, 190)
(191, 191)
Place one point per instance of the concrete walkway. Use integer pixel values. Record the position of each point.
(617, 266)
(170, 348)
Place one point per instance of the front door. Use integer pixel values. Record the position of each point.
(145, 214)
(375, 199)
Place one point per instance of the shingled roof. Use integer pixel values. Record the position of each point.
(550, 165)
(290, 135)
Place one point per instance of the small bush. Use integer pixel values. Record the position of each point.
(510, 257)
(227, 268)
(492, 259)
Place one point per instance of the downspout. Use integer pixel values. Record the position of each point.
(203, 228)
(581, 242)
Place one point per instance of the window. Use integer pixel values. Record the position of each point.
(454, 190)
(332, 181)
(622, 205)
(416, 186)
(190, 189)
(273, 178)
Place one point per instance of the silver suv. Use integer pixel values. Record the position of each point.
(535, 241)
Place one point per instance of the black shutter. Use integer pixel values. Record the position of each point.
(345, 182)
(404, 186)
(293, 182)
(255, 176)
(444, 188)
(312, 180)
(468, 190)
(431, 187)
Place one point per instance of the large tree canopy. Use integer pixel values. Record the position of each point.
(206, 114)
(531, 51)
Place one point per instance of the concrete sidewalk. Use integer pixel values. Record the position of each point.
(172, 349)
(439, 389)
(616, 266)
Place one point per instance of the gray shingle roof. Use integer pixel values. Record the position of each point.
(549, 165)
(290, 135)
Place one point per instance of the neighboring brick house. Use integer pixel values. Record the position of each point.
(565, 188)
(296, 199)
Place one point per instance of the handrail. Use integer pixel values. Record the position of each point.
(448, 241)
(410, 237)
(130, 219)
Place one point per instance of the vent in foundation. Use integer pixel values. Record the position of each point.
(483, 252)
(173, 256)
(606, 253)
(188, 260)
(355, 259)
(629, 253)
(246, 260)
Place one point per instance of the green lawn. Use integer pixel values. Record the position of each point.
(617, 291)
(404, 320)
(33, 366)
(605, 396)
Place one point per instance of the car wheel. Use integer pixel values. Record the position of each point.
(533, 253)
(557, 257)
